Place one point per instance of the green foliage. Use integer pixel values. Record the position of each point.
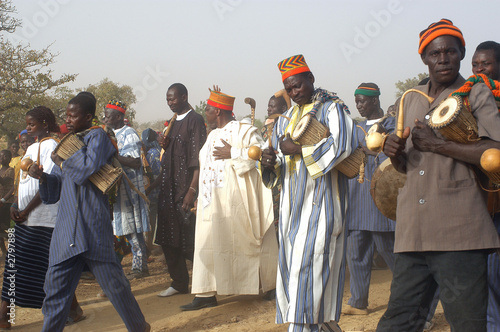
(26, 79)
(107, 90)
(409, 83)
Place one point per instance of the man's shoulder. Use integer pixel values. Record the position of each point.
(128, 134)
(96, 137)
(193, 116)
(130, 131)
(95, 133)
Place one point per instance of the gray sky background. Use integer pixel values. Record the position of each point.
(237, 44)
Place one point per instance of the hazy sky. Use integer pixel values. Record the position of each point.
(237, 44)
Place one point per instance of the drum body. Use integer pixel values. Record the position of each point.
(309, 131)
(386, 182)
(105, 178)
(351, 165)
(454, 121)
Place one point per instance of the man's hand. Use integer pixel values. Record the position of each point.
(223, 152)
(131, 162)
(423, 138)
(268, 159)
(394, 145)
(36, 171)
(164, 141)
(188, 201)
(16, 215)
(56, 159)
(288, 147)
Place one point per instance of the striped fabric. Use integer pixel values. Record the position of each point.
(293, 65)
(444, 27)
(84, 235)
(362, 213)
(26, 267)
(368, 228)
(130, 212)
(83, 224)
(311, 228)
(62, 280)
(493, 324)
(360, 249)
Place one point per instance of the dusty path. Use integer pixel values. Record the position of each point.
(234, 313)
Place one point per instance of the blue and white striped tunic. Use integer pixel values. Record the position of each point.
(313, 204)
(363, 214)
(130, 211)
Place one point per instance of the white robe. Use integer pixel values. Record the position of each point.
(234, 243)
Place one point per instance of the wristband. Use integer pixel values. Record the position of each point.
(15, 206)
(3, 200)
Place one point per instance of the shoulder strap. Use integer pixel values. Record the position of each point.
(40, 145)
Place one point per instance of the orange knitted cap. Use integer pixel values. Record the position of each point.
(444, 27)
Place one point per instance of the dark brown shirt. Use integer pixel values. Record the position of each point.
(442, 207)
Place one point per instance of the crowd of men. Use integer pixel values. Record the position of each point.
(215, 204)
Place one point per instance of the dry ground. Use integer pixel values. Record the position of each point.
(234, 313)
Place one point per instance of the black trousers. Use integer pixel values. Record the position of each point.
(462, 278)
(176, 263)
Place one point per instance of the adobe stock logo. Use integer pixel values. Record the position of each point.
(224, 6)
(31, 26)
(150, 82)
(363, 37)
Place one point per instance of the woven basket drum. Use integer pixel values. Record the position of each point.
(351, 165)
(104, 179)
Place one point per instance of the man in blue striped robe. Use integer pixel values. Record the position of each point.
(83, 233)
(313, 203)
(368, 228)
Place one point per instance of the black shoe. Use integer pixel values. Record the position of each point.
(200, 303)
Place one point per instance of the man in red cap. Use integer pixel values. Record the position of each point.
(234, 213)
(313, 203)
(443, 229)
(130, 211)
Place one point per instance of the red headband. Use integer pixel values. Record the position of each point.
(118, 108)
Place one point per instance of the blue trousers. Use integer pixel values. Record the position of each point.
(139, 251)
(360, 249)
(60, 284)
(461, 276)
